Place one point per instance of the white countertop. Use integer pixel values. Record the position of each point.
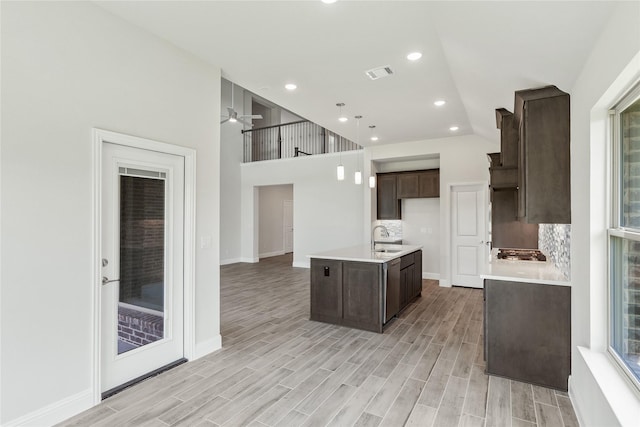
(392, 240)
(543, 272)
(363, 253)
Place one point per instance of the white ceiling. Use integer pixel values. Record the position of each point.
(475, 55)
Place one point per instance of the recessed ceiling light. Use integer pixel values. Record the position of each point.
(414, 56)
(454, 128)
(374, 138)
(329, 1)
(290, 86)
(343, 119)
(439, 103)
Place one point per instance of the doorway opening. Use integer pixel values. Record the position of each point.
(275, 220)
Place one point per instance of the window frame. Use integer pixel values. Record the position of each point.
(616, 230)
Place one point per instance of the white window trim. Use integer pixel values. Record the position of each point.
(597, 385)
(615, 229)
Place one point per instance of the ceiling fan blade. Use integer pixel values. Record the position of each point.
(245, 122)
(252, 116)
(225, 120)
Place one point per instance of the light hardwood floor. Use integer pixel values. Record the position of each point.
(277, 368)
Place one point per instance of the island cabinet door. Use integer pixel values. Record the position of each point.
(361, 295)
(326, 290)
(417, 281)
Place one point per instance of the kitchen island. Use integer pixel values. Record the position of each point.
(362, 288)
(527, 321)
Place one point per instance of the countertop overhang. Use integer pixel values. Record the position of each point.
(542, 272)
(363, 253)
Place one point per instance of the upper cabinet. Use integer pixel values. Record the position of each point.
(388, 204)
(542, 117)
(392, 187)
(505, 121)
(421, 184)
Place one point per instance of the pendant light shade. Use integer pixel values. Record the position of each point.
(372, 178)
(340, 172)
(357, 177)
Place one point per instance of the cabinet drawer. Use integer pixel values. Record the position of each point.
(407, 260)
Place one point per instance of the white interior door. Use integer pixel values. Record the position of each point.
(288, 226)
(142, 235)
(467, 234)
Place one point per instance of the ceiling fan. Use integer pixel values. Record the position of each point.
(234, 117)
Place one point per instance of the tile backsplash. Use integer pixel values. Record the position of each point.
(554, 240)
(393, 225)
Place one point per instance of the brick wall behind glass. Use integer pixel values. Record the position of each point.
(631, 217)
(141, 234)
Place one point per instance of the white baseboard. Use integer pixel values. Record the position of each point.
(304, 264)
(230, 261)
(445, 283)
(270, 254)
(56, 412)
(250, 260)
(207, 347)
(432, 276)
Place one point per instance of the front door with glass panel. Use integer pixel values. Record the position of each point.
(142, 262)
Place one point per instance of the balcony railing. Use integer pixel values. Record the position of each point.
(292, 140)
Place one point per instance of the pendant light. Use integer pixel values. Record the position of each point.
(341, 117)
(340, 169)
(372, 177)
(357, 177)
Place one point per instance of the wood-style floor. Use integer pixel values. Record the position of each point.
(277, 368)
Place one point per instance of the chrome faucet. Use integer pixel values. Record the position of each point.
(384, 232)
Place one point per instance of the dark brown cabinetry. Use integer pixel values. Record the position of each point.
(361, 297)
(347, 293)
(388, 204)
(528, 332)
(417, 278)
(421, 184)
(410, 278)
(542, 117)
(506, 230)
(505, 121)
(326, 290)
(352, 293)
(392, 187)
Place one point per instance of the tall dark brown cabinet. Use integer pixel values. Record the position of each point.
(544, 177)
(388, 204)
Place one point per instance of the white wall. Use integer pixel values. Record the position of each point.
(68, 67)
(231, 151)
(462, 160)
(288, 117)
(603, 79)
(271, 223)
(327, 214)
(421, 226)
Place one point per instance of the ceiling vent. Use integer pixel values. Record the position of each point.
(378, 73)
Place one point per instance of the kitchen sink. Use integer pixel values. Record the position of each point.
(388, 251)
